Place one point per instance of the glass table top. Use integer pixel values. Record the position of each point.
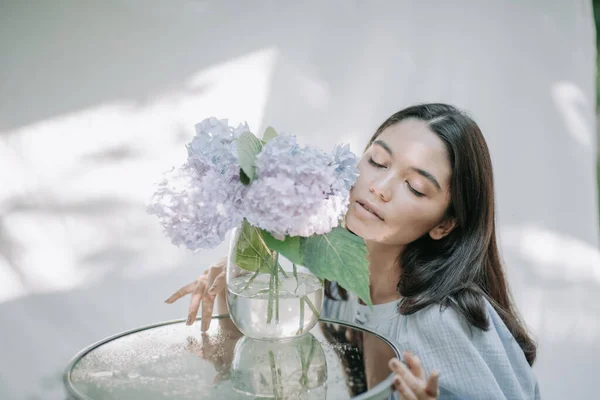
(172, 360)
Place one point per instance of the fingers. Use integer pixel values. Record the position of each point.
(207, 309)
(209, 284)
(208, 299)
(415, 365)
(410, 380)
(189, 288)
(433, 389)
(403, 389)
(218, 285)
(195, 300)
(221, 263)
(404, 373)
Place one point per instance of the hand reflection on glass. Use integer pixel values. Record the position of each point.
(217, 346)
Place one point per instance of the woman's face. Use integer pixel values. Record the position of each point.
(403, 190)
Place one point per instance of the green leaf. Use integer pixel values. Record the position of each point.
(339, 256)
(289, 247)
(251, 253)
(244, 178)
(248, 146)
(269, 134)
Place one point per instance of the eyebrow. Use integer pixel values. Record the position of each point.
(427, 176)
(385, 146)
(419, 171)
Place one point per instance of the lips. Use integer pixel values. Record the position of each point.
(370, 208)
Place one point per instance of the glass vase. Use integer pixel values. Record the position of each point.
(268, 296)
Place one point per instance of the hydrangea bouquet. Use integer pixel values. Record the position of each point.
(281, 198)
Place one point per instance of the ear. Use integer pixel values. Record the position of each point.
(443, 229)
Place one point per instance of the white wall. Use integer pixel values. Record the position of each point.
(97, 98)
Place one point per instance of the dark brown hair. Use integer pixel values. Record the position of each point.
(463, 268)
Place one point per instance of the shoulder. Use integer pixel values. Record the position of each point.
(444, 340)
(476, 363)
(438, 318)
(445, 329)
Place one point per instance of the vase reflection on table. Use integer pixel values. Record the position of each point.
(296, 368)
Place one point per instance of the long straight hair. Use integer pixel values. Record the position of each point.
(463, 268)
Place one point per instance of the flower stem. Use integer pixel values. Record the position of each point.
(285, 275)
(274, 375)
(303, 378)
(251, 280)
(276, 289)
(311, 353)
(301, 324)
(270, 302)
(259, 235)
(295, 271)
(311, 306)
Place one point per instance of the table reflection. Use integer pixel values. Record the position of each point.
(333, 361)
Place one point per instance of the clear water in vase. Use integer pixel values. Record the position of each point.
(262, 313)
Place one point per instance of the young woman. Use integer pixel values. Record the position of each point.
(424, 204)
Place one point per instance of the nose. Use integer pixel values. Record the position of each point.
(382, 188)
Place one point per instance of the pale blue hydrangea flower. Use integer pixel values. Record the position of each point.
(198, 210)
(200, 202)
(346, 169)
(300, 191)
(296, 193)
(327, 217)
(214, 144)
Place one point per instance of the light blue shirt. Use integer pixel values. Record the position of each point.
(474, 364)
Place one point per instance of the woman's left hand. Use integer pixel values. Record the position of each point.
(411, 381)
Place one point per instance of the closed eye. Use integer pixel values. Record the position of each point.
(375, 164)
(415, 192)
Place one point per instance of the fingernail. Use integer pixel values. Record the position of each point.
(189, 321)
(397, 382)
(212, 290)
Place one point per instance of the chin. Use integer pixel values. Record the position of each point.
(365, 229)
